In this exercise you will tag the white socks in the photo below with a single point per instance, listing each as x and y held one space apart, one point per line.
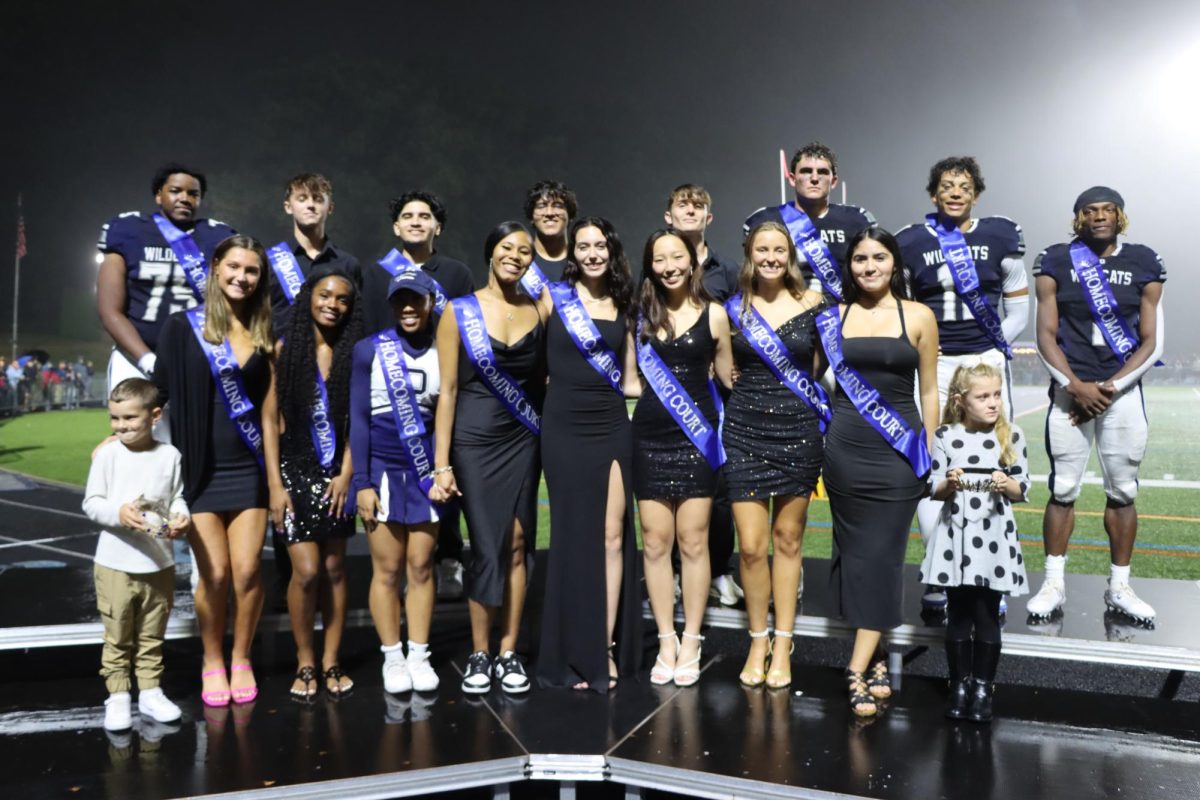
392 653
1118 576
1055 566
415 647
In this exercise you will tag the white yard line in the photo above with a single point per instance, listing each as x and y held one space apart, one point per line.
76 514
1155 483
13 542
48 548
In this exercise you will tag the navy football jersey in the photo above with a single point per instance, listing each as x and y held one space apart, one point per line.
992 240
155 286
838 225
1128 269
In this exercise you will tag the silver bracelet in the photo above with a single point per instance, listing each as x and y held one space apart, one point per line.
440 470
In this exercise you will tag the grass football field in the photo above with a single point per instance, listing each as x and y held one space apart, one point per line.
56 445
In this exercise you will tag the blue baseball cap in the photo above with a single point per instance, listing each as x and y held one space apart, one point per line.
414 280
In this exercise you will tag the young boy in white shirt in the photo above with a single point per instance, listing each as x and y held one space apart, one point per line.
135 490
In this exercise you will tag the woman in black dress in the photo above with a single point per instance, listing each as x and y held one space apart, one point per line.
587 456
673 481
773 442
223 477
310 478
487 448
873 489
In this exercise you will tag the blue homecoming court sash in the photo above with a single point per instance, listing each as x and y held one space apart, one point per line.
474 335
283 262
534 280
870 405
396 263
1102 302
227 376
809 242
405 410
679 404
966 281
583 332
187 253
323 438
770 348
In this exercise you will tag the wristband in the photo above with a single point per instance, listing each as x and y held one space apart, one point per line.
440 470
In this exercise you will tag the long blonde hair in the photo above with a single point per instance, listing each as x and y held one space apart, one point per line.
955 413
217 310
793 280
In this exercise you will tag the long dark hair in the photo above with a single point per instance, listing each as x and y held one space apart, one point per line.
897 285
620 279
652 304
297 365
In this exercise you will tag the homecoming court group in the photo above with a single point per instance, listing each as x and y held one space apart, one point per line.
310 415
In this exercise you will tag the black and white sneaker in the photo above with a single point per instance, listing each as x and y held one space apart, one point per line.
478 678
509 670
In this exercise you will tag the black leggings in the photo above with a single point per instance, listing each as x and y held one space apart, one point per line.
973 608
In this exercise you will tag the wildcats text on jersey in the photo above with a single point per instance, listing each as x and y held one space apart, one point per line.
979 252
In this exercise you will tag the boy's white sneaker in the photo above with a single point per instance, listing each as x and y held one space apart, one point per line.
117 714
396 679
154 704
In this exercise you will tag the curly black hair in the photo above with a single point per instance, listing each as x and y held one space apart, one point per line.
297 365
967 165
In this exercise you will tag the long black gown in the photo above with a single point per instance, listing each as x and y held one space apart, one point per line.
585 428
496 463
873 491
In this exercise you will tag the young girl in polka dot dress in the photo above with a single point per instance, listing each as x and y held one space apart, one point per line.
979 469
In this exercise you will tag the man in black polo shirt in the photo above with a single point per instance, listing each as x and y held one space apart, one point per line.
418 218
550 206
308 200
689 211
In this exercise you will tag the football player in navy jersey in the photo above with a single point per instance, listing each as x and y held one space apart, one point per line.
550 206
1096 394
997 250
814 175
140 282
689 211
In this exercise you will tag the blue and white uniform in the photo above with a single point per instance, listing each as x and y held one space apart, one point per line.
379 456
1119 433
997 249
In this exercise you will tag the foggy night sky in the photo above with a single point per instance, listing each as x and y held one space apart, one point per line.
621 100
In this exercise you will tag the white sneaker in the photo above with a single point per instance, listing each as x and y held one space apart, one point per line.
117 716
449 579
396 678
726 591
1123 600
424 679
1050 598
154 704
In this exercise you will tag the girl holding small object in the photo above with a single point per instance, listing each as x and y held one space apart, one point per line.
979 469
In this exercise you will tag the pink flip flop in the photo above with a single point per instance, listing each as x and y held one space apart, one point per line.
246 695
214 699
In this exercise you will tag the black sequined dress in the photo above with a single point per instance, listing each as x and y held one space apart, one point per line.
665 462
772 438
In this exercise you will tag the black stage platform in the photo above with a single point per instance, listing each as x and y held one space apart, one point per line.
713 740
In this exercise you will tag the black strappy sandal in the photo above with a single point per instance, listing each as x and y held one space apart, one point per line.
859 698
335 673
308 674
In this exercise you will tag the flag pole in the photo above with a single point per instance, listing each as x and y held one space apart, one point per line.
20 251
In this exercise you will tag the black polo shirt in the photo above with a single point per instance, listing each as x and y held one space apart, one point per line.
719 276
452 275
331 259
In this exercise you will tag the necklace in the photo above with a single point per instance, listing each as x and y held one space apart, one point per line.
510 316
